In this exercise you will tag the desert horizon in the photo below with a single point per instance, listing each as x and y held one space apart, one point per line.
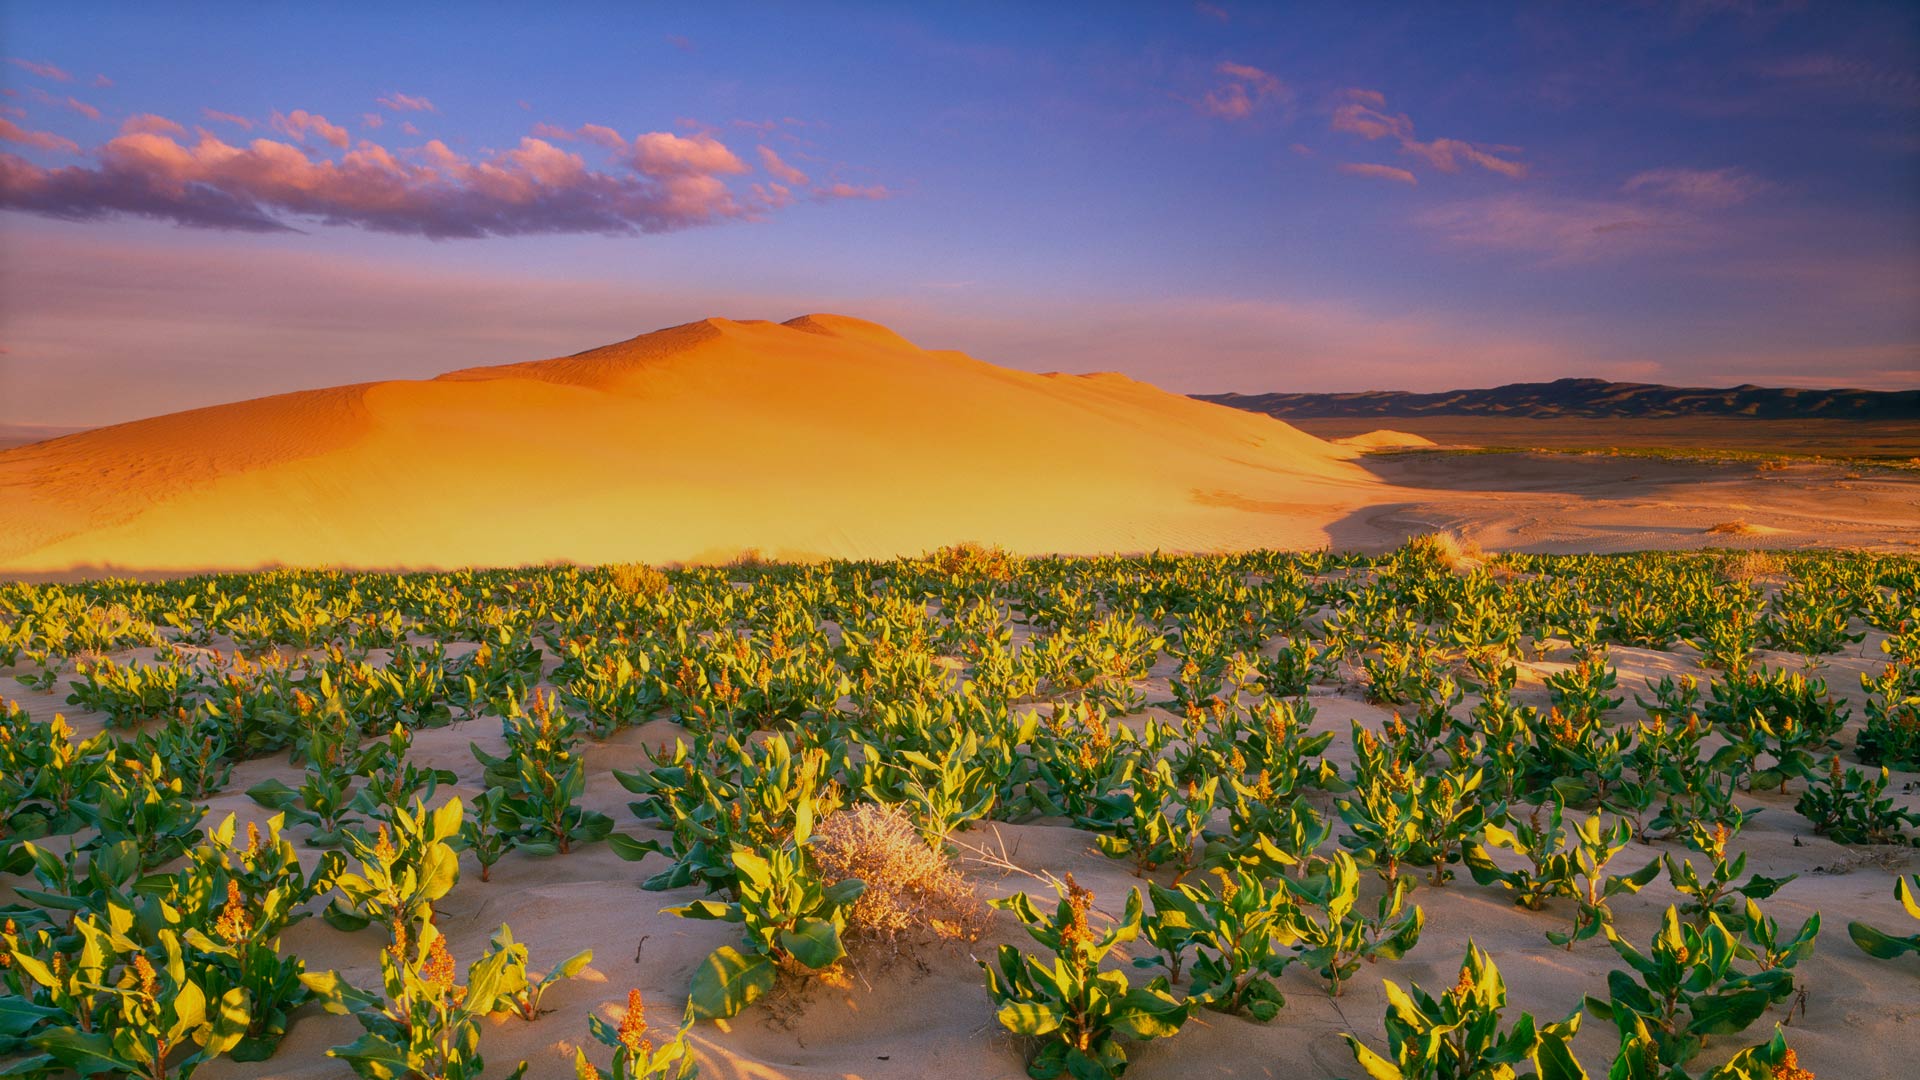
1121 542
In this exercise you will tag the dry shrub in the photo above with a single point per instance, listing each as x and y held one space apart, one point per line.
1448 549
638 579
1736 527
1749 566
913 892
975 560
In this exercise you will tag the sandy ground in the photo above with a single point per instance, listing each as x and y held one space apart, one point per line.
932 1016
1894 439
1558 503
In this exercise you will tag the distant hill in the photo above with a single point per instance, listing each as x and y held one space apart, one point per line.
1592 399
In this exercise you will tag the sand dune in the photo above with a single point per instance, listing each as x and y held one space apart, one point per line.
821 436
1384 439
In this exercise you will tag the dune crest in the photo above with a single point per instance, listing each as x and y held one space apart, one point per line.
825 435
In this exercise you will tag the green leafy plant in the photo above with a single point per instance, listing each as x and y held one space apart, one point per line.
1684 988
1713 893
1879 943
635 1057
1852 807
1459 1034
1078 1015
409 865
421 1023
1333 940
541 780
791 921
520 990
149 1021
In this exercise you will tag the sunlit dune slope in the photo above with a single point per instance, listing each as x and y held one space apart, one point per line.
822 436
1384 439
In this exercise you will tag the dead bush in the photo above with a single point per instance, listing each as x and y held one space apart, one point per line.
638 579
1748 566
913 892
1448 549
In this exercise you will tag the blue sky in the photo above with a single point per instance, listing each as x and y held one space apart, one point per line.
200 203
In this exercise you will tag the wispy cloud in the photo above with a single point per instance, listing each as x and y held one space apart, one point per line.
1245 90
81 107
1560 229
399 102
39 140
1378 172
1852 77
1364 113
778 169
216 115
300 123
1700 187
149 124
40 68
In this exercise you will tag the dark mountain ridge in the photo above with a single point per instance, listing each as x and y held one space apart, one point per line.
1593 399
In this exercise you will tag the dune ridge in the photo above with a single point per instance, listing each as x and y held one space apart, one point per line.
822 436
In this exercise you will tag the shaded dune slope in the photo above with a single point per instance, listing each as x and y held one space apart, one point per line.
822 436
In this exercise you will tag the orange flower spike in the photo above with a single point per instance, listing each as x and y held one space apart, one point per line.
235 921
145 977
437 972
633 1026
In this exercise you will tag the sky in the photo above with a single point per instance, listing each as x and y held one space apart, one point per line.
208 202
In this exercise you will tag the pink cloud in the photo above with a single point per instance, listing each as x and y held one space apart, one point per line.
779 169
1378 172
1363 113
662 153
603 135
659 182
82 108
39 140
399 102
852 191
544 130
1702 187
1447 154
372 120
102 82
1244 91
299 122
406 127
240 122
1212 11
149 124
1363 118
680 42
40 68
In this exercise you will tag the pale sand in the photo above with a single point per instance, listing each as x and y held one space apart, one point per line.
1384 439
936 1019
